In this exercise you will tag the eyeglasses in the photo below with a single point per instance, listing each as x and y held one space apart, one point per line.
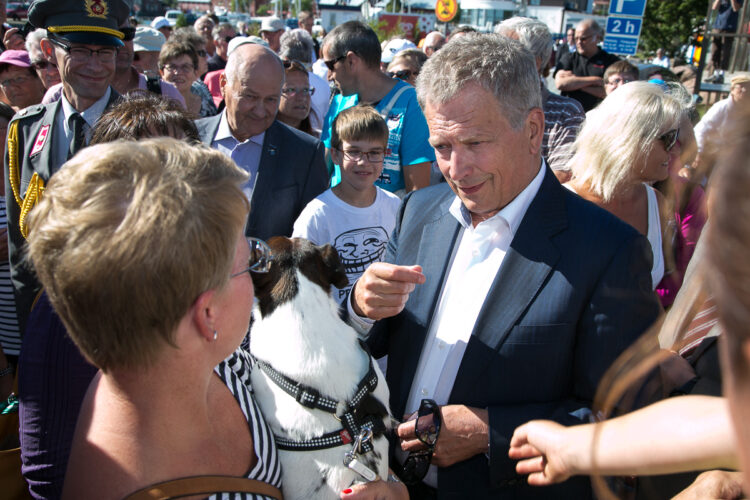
583 39
619 81
291 63
427 429
330 64
372 156
201 53
128 33
182 68
229 38
260 259
83 54
404 74
291 91
17 81
42 65
669 139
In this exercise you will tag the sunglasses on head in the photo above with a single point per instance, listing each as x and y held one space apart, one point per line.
128 33
292 63
404 74
427 429
669 139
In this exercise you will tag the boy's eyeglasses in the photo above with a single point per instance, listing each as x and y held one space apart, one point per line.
669 139
372 156
427 429
260 259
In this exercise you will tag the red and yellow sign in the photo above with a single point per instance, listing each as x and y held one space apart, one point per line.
446 10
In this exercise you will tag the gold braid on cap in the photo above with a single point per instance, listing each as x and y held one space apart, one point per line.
34 191
86 29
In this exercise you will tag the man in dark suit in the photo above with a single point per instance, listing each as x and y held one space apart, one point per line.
505 296
286 166
83 43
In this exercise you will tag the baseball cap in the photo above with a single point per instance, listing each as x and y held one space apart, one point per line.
94 22
19 58
148 39
160 22
394 47
272 24
242 40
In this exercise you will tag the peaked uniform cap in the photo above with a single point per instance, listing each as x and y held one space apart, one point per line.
94 22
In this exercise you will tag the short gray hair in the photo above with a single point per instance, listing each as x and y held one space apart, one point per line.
497 64
297 45
216 32
532 33
33 39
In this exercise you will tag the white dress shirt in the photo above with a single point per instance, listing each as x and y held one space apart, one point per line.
90 115
245 154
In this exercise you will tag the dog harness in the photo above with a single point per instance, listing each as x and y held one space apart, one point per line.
353 424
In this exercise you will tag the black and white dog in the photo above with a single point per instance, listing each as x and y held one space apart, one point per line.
318 389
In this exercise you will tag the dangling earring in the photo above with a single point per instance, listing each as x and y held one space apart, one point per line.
216 335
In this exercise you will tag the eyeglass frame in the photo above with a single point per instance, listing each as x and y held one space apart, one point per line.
410 473
42 65
263 263
292 91
402 74
17 81
67 48
360 154
293 63
180 69
332 63
669 139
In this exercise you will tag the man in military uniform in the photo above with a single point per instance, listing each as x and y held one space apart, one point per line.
83 40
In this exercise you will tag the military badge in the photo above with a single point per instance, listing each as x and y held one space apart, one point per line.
41 140
96 8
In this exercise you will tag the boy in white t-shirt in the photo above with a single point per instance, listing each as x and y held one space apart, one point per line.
355 216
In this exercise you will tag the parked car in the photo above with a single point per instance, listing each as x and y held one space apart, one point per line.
172 16
17 11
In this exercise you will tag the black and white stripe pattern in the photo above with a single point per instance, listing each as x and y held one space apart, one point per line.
10 338
235 373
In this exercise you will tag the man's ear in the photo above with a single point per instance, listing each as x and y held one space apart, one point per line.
48 50
535 129
204 315
222 85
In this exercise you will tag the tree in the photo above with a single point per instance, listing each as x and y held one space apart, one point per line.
669 23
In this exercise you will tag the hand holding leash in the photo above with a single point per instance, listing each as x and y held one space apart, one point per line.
383 289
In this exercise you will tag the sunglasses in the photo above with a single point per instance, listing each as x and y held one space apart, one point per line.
260 259
292 63
330 64
404 74
427 429
669 139
128 33
42 65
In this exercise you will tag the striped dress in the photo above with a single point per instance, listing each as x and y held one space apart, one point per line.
235 373
10 337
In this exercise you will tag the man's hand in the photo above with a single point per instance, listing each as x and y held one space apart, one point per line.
714 484
13 40
383 289
541 443
463 434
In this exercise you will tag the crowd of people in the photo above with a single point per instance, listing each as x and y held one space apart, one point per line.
510 251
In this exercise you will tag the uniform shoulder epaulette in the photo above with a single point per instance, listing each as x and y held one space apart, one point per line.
29 111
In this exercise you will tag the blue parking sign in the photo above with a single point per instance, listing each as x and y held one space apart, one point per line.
627 7
623 26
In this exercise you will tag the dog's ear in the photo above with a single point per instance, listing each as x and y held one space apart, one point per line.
336 273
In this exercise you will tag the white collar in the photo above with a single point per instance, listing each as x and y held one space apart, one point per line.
90 114
512 213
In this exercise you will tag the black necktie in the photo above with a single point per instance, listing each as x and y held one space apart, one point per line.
76 123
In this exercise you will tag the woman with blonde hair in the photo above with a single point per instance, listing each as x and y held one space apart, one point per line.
140 247
624 147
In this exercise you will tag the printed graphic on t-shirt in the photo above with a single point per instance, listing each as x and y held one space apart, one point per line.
358 249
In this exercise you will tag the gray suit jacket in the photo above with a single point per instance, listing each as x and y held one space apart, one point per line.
291 173
36 153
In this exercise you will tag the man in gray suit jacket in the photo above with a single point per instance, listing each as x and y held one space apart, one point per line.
286 166
505 296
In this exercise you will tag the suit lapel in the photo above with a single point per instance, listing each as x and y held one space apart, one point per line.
525 268
263 189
